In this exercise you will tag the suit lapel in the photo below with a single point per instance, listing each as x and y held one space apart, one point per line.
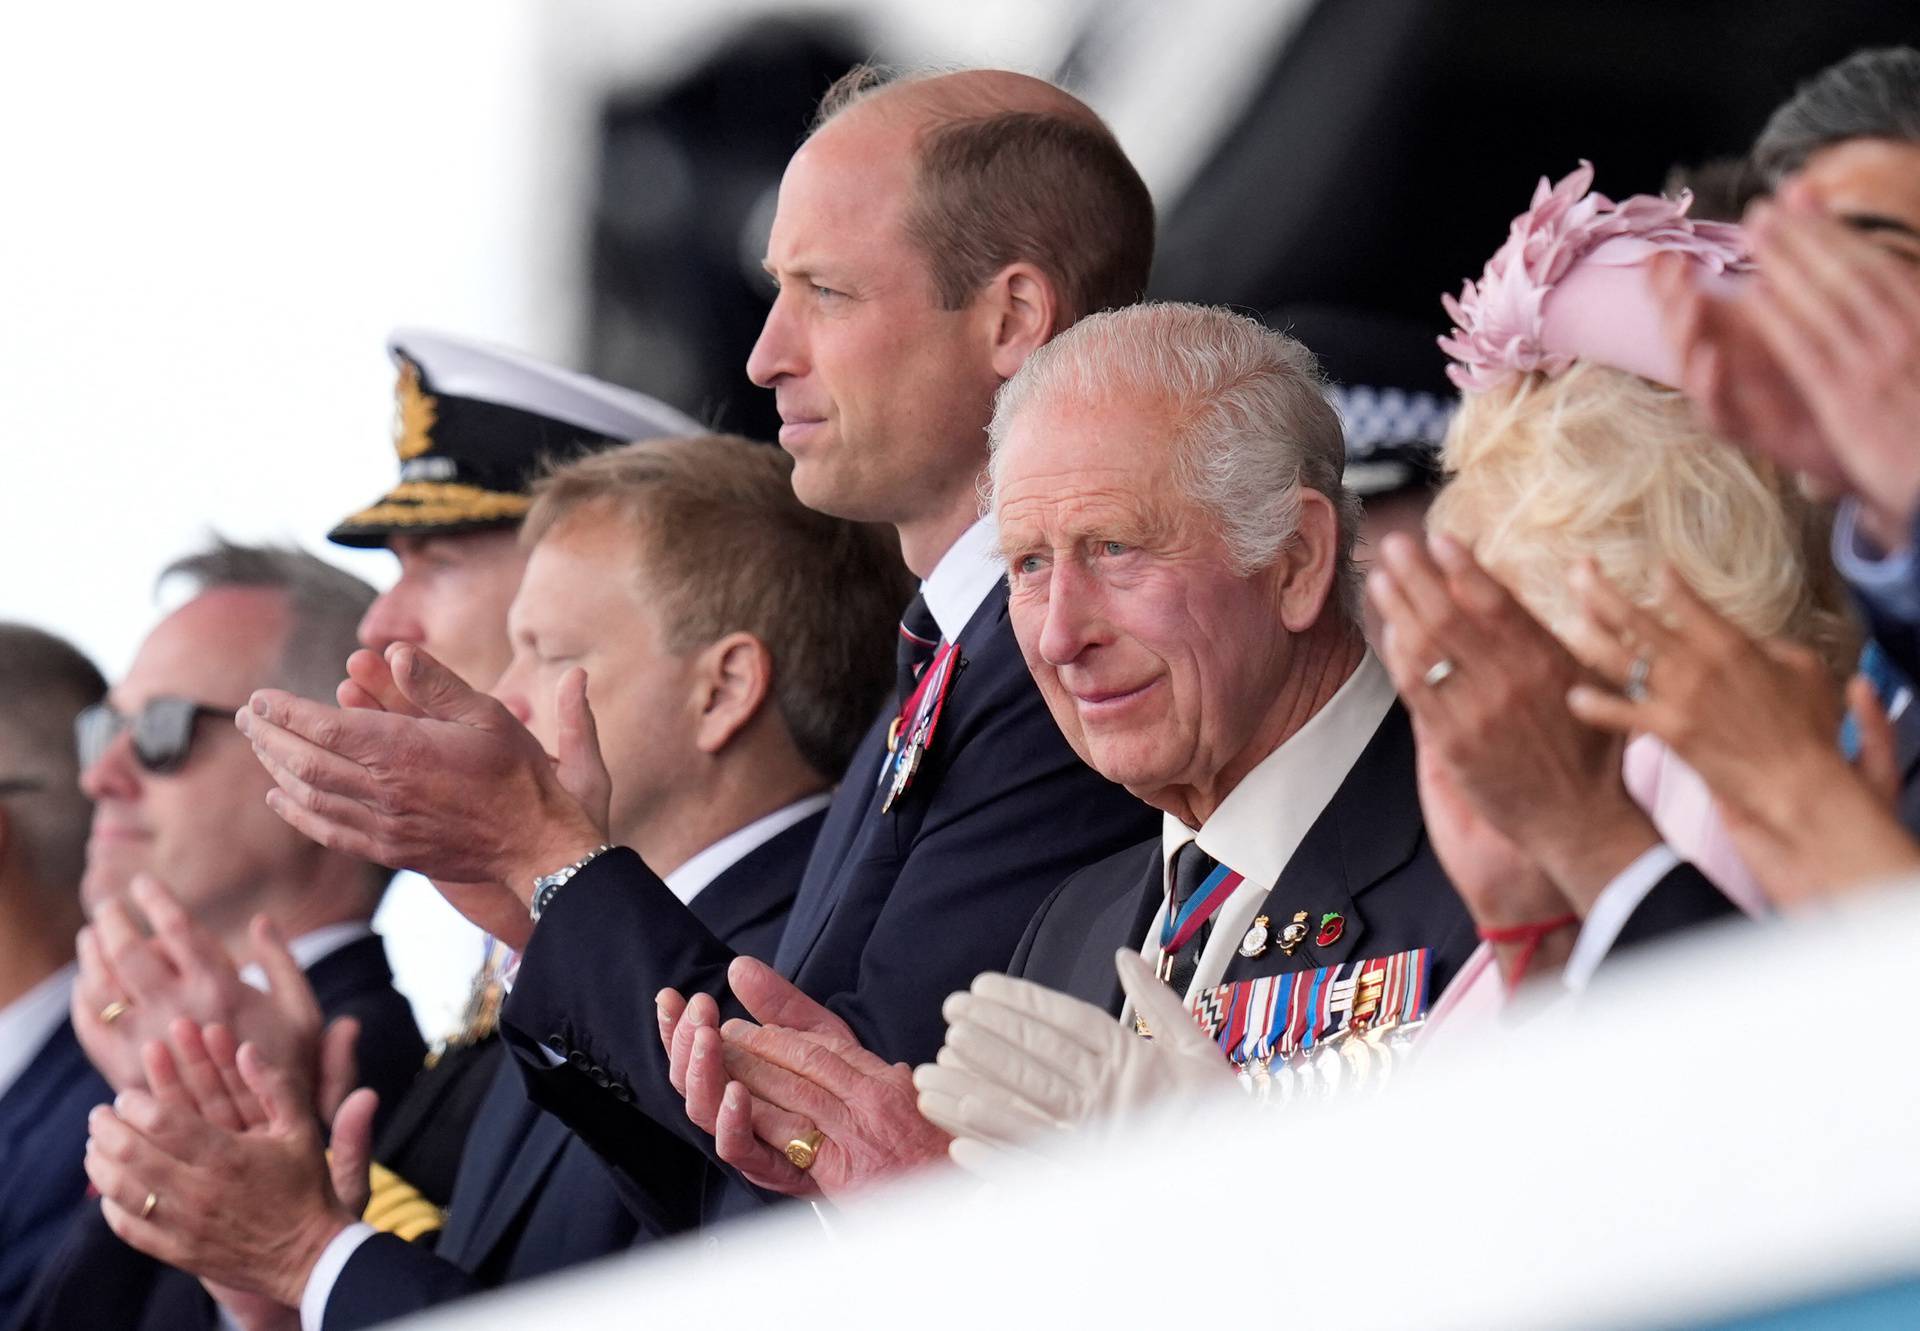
1127 918
845 825
348 972
529 1152
496 1144
759 882
821 891
1371 827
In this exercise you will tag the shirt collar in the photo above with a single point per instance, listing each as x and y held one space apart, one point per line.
29 1021
311 948
1263 820
963 577
692 877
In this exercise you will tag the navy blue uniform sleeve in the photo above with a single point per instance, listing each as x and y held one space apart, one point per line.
388 1278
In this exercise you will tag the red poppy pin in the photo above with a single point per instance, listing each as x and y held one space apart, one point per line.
1332 925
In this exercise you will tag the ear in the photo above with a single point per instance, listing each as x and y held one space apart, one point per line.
1023 311
732 678
1308 566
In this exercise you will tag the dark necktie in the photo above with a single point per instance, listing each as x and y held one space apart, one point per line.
919 639
1191 865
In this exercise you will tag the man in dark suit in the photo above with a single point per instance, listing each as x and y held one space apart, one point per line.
1167 484
475 424
722 745
928 237
179 801
46 1084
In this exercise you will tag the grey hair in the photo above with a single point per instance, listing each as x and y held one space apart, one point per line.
1869 95
45 682
326 605
1252 424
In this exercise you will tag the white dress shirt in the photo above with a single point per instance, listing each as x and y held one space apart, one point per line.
686 883
1263 820
29 1021
961 580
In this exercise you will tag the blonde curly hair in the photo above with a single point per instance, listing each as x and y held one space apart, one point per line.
1599 463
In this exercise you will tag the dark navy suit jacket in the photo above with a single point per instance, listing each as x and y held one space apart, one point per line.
897 910
96 1281
1367 857
1685 898
531 1197
43 1137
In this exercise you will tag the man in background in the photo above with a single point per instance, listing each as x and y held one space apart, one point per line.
46 1084
179 799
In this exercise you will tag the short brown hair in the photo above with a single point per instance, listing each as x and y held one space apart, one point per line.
727 548
1035 185
45 682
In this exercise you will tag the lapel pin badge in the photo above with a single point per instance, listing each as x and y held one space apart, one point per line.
1257 937
1294 934
1332 925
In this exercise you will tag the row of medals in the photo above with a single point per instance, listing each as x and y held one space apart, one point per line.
1360 1056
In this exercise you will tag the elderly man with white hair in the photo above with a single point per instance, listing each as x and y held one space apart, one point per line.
1166 481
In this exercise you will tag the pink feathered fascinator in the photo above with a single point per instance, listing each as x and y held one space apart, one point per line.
1571 283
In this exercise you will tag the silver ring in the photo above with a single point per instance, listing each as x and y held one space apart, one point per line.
1636 685
1438 673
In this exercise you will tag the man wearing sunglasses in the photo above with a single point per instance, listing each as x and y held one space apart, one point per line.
179 798
46 1084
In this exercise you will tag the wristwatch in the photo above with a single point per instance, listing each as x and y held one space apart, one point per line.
548 886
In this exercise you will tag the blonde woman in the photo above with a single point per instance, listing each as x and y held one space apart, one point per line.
1571 446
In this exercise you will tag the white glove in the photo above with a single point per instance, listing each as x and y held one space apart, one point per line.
1023 1065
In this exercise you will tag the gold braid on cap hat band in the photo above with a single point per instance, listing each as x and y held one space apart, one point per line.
433 503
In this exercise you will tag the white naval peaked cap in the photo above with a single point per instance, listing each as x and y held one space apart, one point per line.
475 425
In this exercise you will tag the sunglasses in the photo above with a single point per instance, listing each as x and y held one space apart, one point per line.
162 731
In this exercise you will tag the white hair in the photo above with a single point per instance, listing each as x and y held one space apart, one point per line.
1252 424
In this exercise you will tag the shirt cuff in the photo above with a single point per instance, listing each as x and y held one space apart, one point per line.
1886 581
1612 909
326 1273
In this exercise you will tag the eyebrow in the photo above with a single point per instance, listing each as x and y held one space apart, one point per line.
1872 222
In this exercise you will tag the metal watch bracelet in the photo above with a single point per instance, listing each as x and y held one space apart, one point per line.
548 886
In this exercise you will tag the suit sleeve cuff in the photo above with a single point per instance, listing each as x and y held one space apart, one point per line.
1611 911
326 1273
1884 579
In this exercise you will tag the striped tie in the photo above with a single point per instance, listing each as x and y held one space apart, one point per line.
1191 865
919 639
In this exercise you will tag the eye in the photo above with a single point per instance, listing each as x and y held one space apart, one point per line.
1027 564
825 293
1112 548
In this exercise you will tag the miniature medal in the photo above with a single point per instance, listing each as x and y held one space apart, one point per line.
1257 937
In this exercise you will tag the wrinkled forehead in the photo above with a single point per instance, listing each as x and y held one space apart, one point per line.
216 648
1073 451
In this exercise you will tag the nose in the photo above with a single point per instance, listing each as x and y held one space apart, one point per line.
390 619
1072 614
511 693
114 774
777 352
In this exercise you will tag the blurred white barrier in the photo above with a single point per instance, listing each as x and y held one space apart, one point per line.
1727 1126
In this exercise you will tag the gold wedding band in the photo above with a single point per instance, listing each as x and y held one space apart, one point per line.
113 1011
146 1207
802 1150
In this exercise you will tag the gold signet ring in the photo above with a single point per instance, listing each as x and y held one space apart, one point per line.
146 1207
113 1011
802 1150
